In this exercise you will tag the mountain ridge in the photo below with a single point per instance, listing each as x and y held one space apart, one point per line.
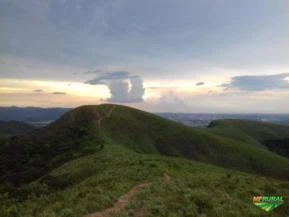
148 133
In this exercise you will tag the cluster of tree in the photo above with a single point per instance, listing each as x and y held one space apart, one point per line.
24 159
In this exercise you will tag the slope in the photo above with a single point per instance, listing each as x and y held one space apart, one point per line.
147 133
263 135
94 183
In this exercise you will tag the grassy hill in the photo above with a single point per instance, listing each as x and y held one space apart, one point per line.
269 136
147 133
81 131
92 155
253 132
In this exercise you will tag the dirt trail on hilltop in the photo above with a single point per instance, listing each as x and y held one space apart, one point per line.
107 115
121 202
110 111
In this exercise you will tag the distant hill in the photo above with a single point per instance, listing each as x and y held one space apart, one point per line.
257 131
203 119
15 128
44 116
264 135
31 114
88 158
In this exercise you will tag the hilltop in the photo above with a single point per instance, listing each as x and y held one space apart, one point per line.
83 162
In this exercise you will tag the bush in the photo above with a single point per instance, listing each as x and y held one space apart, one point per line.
8 206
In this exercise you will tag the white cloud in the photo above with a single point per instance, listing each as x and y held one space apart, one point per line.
124 87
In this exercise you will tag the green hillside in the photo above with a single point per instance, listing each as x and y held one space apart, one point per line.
177 187
147 133
86 160
249 131
263 135
76 133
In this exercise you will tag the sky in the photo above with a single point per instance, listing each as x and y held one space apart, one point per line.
198 56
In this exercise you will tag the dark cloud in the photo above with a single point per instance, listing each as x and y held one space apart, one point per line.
200 83
95 71
124 87
59 93
105 77
258 82
38 90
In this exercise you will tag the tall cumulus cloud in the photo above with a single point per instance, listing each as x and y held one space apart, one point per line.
124 87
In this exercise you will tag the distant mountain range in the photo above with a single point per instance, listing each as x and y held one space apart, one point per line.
43 116
32 115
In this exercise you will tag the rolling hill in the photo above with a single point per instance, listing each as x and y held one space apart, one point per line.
253 132
83 162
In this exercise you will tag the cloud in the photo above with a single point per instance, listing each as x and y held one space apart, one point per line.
38 90
124 87
200 83
163 88
119 91
168 102
59 93
95 71
105 77
258 82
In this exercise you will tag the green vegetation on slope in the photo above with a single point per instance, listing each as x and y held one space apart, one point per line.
263 135
252 132
14 128
95 182
76 133
148 133
23 159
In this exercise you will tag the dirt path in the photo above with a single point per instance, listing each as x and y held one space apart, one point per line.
121 202
167 179
110 111
107 115
126 198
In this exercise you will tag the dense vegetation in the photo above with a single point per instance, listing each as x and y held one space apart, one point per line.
145 132
92 155
23 159
14 128
252 132
96 181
